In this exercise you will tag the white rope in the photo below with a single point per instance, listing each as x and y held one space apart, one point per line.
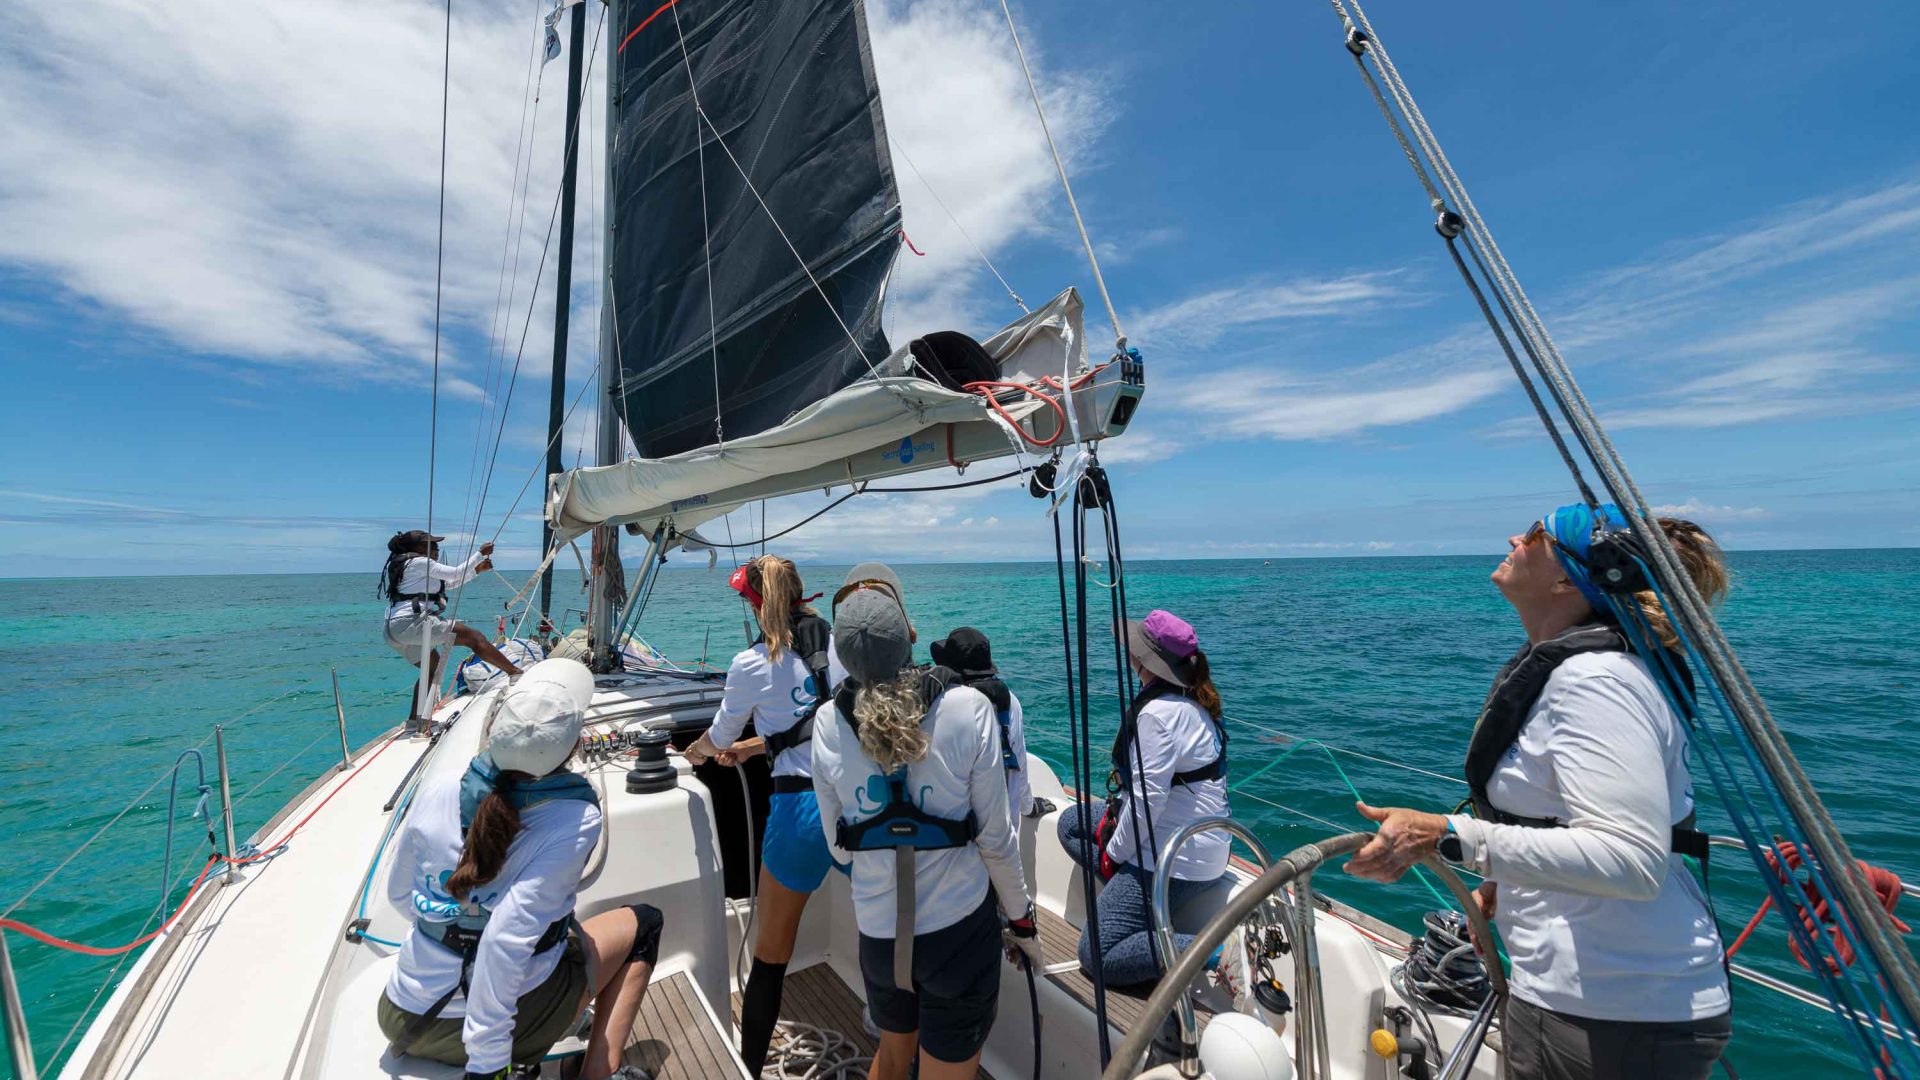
706 232
1093 260
942 203
805 1052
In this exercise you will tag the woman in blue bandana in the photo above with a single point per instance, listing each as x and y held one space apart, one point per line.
1583 809
496 969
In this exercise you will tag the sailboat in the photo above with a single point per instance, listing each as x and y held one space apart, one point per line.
752 222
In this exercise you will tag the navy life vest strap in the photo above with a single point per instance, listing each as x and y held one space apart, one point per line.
1505 713
902 826
1124 738
811 634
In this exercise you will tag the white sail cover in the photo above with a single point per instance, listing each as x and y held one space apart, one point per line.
873 412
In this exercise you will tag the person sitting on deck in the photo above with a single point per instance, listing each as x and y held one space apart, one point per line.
1583 807
1169 761
415 583
778 684
968 654
496 969
907 769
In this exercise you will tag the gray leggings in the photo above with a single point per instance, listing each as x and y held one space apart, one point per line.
1545 1045
1126 932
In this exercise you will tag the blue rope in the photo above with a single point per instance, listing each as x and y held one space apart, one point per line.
1858 1004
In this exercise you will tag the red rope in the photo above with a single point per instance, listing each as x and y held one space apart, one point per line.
657 12
909 242
1816 913
213 860
985 389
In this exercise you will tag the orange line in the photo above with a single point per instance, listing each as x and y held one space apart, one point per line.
657 12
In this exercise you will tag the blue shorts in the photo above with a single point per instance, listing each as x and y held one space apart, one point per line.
795 848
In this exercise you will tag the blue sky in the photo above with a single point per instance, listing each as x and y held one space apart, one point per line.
216 271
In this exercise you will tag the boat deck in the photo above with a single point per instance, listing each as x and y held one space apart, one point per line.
1060 940
817 996
677 1038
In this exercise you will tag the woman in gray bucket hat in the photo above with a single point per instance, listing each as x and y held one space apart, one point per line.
1169 769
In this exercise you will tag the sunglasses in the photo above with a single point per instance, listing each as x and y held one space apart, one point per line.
872 583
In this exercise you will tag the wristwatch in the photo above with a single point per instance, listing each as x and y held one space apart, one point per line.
1449 847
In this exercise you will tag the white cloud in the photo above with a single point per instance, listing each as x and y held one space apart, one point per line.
1253 403
1202 320
970 159
1695 508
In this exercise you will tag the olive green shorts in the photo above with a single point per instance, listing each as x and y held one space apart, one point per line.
542 1016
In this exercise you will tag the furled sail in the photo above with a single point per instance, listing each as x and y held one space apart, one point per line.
790 166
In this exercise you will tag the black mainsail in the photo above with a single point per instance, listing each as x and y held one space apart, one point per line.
793 142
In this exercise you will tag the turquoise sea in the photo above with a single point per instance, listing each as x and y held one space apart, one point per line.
1389 657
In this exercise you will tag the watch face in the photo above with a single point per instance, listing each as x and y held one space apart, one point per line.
1449 848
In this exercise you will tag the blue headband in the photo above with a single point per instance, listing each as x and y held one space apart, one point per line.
1571 528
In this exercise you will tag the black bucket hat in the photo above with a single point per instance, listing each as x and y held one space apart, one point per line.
966 651
409 539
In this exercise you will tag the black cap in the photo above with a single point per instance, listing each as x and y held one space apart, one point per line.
965 651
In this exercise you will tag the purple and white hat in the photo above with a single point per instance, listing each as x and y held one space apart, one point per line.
1164 644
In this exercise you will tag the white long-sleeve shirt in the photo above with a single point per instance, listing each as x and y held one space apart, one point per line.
1601 919
1019 788
961 772
536 886
772 694
425 575
1174 735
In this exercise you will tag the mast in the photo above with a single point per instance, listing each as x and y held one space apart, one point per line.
563 287
606 435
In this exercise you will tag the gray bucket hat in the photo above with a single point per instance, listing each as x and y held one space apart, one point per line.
871 636
870 575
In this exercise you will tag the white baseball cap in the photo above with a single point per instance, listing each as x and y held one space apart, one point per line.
538 724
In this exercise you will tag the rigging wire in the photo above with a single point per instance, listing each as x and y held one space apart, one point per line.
439 261
1093 260
502 305
863 489
706 233
1835 876
1021 304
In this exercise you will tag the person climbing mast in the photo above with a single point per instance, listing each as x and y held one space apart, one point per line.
414 583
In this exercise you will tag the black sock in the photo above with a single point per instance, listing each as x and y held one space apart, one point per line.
759 1011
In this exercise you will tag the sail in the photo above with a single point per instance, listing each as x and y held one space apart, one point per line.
794 144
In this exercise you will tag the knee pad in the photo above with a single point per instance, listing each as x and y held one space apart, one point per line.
646 935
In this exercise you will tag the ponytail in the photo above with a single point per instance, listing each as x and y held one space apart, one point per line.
495 824
1701 558
778 583
1200 684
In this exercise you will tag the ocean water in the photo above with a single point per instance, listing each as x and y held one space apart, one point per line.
112 679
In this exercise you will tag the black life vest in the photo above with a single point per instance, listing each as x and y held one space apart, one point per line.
1123 740
397 568
1505 712
811 635
901 824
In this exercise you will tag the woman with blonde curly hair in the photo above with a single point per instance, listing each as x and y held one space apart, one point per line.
1583 807
907 767
778 684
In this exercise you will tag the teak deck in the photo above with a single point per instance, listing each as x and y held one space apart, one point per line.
676 1039
1060 940
817 996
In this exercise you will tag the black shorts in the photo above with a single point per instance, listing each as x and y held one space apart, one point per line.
956 985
